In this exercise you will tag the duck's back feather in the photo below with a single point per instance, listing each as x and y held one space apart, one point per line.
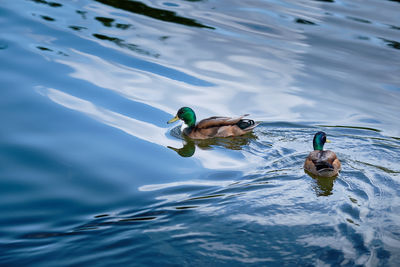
221 127
322 163
218 121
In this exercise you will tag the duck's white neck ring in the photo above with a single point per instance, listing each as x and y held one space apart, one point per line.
183 127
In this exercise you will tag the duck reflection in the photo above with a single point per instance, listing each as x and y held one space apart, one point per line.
233 143
322 186
187 150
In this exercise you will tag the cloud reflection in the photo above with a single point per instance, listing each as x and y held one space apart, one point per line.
143 130
140 129
206 183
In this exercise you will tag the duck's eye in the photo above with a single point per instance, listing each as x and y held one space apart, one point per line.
324 139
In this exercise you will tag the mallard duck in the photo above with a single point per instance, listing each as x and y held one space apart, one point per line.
319 162
213 126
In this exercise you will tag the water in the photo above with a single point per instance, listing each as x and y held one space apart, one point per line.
92 174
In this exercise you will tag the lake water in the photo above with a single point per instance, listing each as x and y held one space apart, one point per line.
91 174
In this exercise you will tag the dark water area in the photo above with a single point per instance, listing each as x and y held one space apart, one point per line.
91 174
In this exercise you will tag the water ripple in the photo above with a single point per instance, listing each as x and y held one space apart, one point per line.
90 168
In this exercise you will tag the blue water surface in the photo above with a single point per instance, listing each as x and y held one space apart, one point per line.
91 174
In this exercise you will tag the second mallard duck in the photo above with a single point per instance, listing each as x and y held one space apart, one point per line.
323 163
213 126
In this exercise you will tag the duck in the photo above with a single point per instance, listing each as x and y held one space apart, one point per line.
213 126
322 163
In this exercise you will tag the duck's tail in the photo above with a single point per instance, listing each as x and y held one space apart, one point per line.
247 124
325 169
323 165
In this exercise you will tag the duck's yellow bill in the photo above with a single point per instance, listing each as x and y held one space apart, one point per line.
328 141
174 119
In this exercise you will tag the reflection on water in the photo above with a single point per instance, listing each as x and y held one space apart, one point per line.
189 145
90 169
187 150
323 185
51 4
121 43
139 129
155 13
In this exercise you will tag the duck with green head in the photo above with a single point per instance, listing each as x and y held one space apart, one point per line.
323 163
213 126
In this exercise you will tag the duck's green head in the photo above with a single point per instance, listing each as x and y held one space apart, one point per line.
187 115
319 140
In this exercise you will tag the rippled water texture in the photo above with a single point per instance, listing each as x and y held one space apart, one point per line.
90 173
